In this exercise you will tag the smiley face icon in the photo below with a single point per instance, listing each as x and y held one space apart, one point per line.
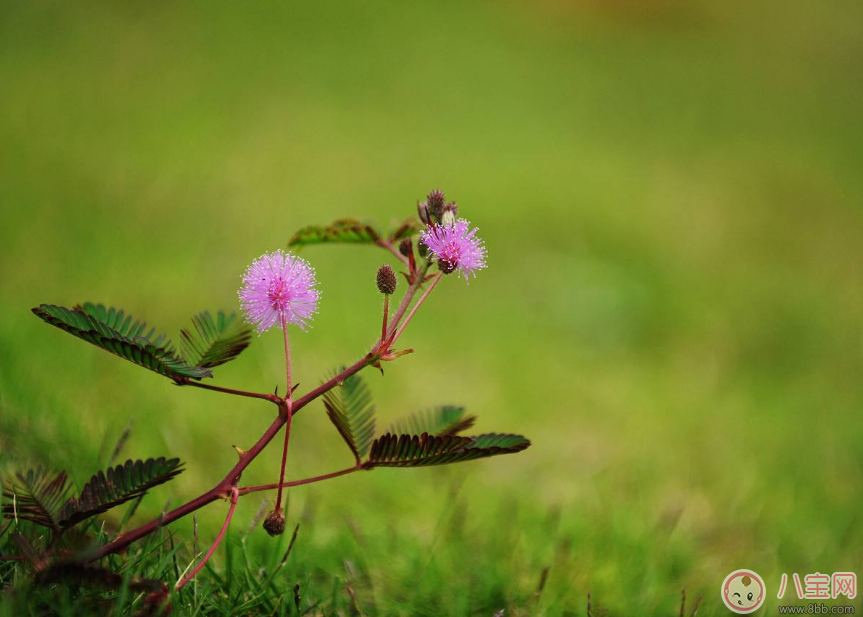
743 591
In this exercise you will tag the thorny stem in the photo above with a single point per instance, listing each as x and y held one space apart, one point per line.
419 302
235 494
268 487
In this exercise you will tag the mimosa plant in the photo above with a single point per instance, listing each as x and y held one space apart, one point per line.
279 291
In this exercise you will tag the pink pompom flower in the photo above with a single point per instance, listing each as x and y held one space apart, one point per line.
279 287
456 247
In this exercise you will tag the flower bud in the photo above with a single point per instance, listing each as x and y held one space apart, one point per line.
446 266
406 247
449 215
274 524
423 211
435 201
386 280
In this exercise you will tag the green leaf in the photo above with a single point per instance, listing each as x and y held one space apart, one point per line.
408 227
38 497
350 409
214 341
120 334
120 484
422 450
345 231
442 420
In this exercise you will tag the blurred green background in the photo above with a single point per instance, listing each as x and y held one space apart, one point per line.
670 192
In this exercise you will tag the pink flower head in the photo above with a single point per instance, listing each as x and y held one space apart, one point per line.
455 247
279 287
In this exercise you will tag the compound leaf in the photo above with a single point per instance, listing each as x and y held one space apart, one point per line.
118 485
423 450
345 231
349 407
36 496
214 341
120 334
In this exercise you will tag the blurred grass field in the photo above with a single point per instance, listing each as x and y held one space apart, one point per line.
670 193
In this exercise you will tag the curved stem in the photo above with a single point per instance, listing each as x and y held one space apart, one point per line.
388 246
235 494
268 487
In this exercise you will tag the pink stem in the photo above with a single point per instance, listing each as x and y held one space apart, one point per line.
235 494
388 246
409 295
287 359
386 314
268 487
415 307
290 414
284 460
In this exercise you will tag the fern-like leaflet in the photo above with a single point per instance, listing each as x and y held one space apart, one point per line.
350 409
422 450
115 331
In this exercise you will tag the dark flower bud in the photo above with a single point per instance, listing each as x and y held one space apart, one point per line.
451 207
274 524
436 201
423 211
446 266
386 280
406 247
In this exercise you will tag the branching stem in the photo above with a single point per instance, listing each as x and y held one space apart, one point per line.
388 246
409 294
416 306
268 487
227 487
